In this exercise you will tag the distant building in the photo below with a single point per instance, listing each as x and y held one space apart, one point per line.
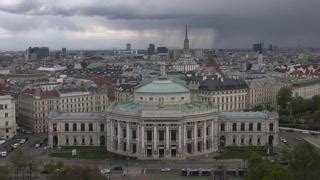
263 91
128 47
7 117
64 51
36 103
36 53
161 50
306 88
151 49
185 62
258 47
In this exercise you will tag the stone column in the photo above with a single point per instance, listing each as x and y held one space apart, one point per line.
204 129
119 135
111 136
128 137
167 137
184 138
180 139
142 141
155 140
212 136
195 149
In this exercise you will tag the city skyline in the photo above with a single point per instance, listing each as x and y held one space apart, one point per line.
105 25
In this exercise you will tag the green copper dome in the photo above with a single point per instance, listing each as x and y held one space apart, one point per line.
161 85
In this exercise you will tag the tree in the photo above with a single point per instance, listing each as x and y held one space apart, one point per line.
284 98
4 173
78 173
54 166
260 169
304 162
21 164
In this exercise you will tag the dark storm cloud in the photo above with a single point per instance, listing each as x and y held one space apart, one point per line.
236 23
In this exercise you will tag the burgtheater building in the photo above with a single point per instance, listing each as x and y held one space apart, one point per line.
163 120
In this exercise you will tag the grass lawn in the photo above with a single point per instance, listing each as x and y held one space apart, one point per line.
242 152
83 152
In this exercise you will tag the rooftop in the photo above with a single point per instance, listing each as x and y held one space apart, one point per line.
162 85
245 114
78 116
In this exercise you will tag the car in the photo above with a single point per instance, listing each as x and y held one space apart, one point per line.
22 141
299 139
117 168
15 145
165 169
2 141
3 153
105 171
305 132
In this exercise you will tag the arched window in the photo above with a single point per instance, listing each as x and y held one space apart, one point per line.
234 140
250 140
242 140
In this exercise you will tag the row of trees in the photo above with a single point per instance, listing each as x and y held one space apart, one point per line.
303 163
297 111
22 166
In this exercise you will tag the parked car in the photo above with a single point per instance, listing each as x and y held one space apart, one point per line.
15 145
165 169
105 171
3 153
2 141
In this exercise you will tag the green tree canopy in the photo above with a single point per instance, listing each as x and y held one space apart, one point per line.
260 169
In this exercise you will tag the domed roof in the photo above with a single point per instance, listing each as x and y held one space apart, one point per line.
162 85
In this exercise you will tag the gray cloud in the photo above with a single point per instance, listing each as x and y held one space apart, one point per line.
233 23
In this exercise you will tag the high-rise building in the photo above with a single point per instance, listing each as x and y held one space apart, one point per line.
128 47
64 51
258 47
151 49
36 53
186 41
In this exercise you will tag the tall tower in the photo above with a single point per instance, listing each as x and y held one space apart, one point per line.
186 41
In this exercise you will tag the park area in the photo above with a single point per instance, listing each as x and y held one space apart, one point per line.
243 152
84 152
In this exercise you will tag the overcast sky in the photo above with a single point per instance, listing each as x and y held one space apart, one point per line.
105 24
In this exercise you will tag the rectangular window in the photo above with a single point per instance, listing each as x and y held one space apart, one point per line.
90 127
149 135
199 132
54 127
82 127
161 135
173 135
242 126
124 133
189 134
234 127
66 127
6 114
259 126
134 134
74 127
222 127
251 127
